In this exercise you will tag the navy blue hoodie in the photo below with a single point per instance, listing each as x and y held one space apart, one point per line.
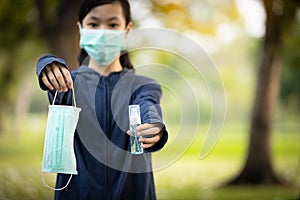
106 168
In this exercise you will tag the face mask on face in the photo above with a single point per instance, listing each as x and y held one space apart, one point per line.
101 44
59 154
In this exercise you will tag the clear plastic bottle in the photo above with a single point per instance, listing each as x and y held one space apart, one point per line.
135 121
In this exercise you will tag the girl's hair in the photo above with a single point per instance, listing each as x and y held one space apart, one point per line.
86 6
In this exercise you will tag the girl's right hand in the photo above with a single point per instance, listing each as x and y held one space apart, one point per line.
56 76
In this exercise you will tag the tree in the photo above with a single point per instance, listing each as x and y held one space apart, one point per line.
58 26
258 167
16 30
52 21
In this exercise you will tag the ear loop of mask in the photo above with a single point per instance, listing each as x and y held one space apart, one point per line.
74 99
56 189
43 174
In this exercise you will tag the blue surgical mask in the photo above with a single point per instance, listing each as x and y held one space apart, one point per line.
102 45
59 156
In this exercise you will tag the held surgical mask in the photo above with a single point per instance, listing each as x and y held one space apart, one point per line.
101 44
59 156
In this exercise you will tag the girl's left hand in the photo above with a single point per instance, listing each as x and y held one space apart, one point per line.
150 134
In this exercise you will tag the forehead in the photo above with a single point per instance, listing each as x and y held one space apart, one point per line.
106 11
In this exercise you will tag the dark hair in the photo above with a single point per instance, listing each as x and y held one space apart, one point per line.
86 6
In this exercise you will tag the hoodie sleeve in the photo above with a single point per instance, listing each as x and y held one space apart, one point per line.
43 62
148 97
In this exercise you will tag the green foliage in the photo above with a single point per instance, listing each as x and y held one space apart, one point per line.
17 23
290 81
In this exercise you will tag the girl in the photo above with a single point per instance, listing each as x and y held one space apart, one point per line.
104 88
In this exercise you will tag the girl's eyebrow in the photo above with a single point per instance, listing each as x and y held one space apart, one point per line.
108 20
113 18
93 18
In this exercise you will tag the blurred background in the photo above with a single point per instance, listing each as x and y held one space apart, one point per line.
254 46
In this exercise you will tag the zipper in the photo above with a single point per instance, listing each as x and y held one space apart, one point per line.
107 130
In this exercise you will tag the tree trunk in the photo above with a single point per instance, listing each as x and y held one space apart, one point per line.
258 167
61 31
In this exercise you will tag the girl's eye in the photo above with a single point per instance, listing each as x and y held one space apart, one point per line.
93 25
114 25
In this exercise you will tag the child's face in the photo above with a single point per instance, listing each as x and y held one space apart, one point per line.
107 16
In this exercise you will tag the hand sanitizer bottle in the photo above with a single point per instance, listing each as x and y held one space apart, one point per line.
135 121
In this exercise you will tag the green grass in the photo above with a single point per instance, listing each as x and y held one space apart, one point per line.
184 177
22 182
192 178
20 168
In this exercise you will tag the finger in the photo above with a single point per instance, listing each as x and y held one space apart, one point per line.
148 126
67 76
145 146
52 79
60 78
151 140
150 131
46 81
148 142
144 126
129 133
